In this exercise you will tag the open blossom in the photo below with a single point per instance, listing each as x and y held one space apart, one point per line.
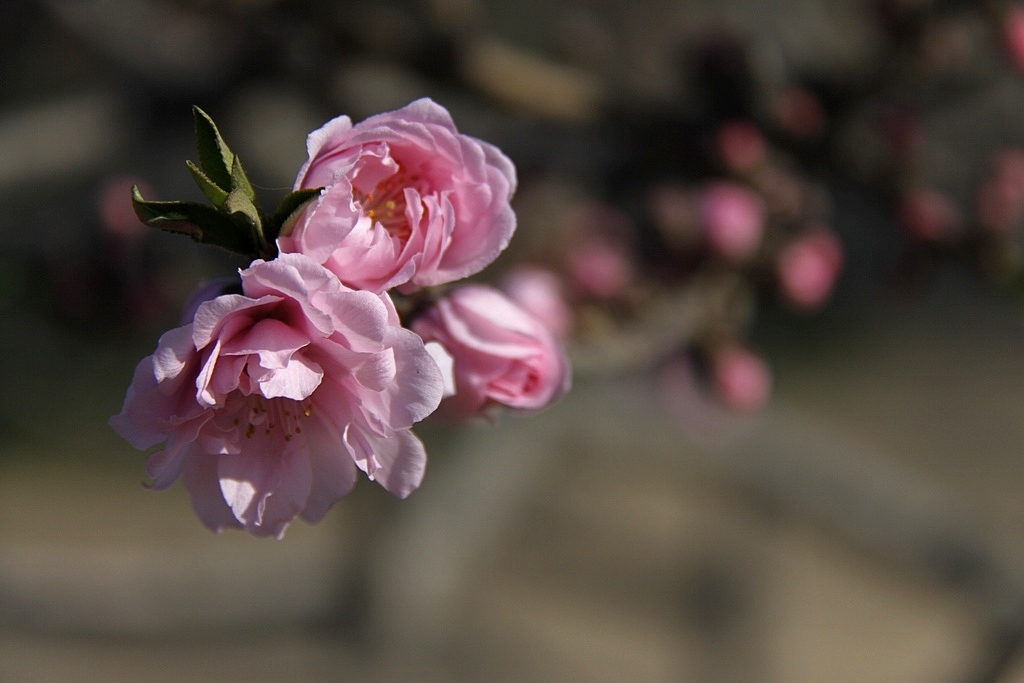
502 355
408 200
269 402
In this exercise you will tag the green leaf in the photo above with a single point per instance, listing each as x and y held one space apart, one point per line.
202 223
289 210
212 191
246 215
240 181
215 157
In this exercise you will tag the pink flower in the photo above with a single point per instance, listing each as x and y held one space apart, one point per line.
1013 36
539 291
600 268
927 215
807 268
740 146
408 200
799 112
741 379
732 218
502 354
270 400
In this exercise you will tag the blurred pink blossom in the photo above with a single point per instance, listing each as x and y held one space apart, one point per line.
503 356
740 146
741 378
269 402
807 268
599 268
799 112
408 200
927 215
540 292
732 219
1000 199
1013 35
114 204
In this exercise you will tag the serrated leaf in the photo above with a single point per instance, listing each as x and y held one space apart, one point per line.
240 181
202 223
247 216
289 210
215 157
238 203
212 191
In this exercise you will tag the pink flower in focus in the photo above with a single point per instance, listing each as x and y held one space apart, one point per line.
808 267
741 379
270 400
502 354
408 200
539 291
732 218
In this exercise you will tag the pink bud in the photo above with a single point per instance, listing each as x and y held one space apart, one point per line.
799 113
539 292
808 267
599 268
927 215
732 218
1013 36
114 203
741 378
740 146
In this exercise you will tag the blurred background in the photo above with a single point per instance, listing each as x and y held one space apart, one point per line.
785 242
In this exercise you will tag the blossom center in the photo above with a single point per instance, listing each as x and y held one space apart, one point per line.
277 418
387 206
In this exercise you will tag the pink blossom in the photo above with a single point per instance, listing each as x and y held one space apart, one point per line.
807 268
539 292
1013 36
740 146
408 200
799 112
741 379
599 268
927 215
502 354
270 400
1000 199
732 218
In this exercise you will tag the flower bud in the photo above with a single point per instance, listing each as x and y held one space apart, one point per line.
808 267
741 379
732 219
740 146
539 291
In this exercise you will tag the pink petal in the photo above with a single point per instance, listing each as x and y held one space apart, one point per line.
333 471
200 479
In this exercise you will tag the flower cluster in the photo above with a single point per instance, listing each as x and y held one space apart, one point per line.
342 332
